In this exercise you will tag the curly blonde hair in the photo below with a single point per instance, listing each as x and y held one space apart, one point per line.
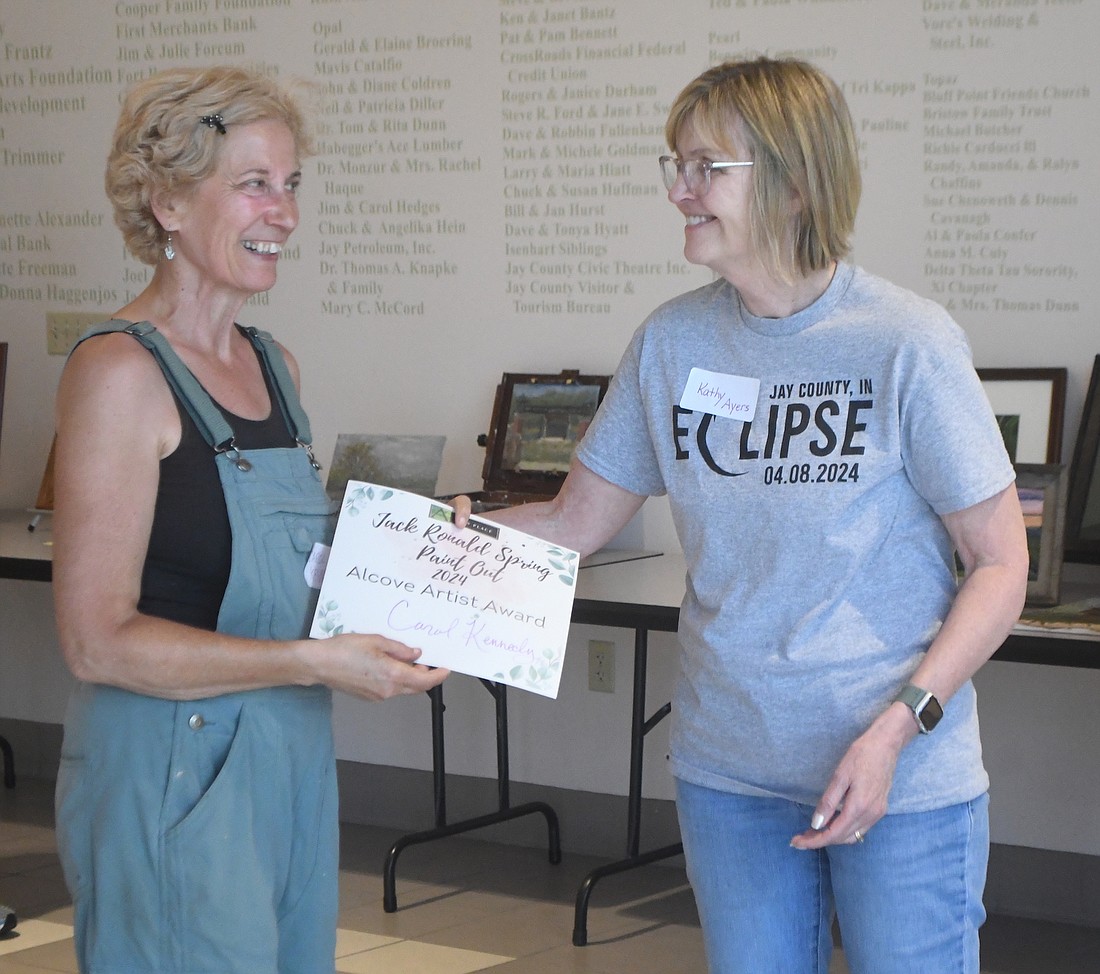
795 123
162 146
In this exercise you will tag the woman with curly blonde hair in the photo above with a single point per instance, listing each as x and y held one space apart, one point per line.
197 793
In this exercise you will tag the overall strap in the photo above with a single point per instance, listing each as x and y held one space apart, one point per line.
296 420
200 407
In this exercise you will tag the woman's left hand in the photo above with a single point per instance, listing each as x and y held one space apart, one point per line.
857 795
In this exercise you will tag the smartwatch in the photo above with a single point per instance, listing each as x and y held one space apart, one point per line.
926 708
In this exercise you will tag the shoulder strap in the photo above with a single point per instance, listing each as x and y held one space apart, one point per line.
291 406
208 418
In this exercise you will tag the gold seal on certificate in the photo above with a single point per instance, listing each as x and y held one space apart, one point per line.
487 600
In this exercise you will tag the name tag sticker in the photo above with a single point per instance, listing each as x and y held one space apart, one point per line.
732 396
316 565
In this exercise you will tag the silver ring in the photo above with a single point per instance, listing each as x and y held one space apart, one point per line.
859 837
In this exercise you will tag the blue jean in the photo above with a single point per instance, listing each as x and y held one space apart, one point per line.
908 900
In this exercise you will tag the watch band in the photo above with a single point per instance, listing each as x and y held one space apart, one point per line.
926 708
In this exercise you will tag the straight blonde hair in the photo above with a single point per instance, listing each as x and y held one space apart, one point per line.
794 122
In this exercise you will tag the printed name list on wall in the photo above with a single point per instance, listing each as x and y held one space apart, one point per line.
394 155
1003 163
499 156
580 91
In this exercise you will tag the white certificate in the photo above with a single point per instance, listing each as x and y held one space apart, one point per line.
487 600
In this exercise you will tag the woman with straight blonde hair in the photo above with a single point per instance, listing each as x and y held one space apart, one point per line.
826 449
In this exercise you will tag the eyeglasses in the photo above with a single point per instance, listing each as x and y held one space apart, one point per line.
696 172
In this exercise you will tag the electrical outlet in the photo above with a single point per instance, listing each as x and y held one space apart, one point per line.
601 666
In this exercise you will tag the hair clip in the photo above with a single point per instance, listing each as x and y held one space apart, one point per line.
215 122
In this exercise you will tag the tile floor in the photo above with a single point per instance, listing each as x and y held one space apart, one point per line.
466 905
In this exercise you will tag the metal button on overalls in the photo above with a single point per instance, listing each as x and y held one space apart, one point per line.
196 722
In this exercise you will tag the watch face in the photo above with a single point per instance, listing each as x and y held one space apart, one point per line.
930 714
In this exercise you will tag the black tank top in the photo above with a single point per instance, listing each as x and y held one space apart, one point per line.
190 546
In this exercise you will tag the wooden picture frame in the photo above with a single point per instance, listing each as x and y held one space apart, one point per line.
537 421
1030 406
1042 489
1083 506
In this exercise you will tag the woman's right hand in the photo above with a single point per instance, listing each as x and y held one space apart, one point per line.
370 667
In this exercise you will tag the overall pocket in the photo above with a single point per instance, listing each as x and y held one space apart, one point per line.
275 520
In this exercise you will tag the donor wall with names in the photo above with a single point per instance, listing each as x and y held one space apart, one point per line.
486 177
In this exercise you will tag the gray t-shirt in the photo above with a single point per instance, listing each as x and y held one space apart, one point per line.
818 567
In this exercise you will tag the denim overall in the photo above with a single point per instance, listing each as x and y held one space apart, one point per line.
200 836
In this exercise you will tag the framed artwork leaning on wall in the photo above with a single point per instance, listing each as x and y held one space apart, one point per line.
1042 491
1083 503
1030 406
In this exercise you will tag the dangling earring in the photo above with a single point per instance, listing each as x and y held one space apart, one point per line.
169 250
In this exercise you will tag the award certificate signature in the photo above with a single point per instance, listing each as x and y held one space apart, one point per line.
487 600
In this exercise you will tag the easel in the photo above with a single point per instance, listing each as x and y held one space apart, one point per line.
43 504
5 747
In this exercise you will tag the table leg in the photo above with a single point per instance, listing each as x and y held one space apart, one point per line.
505 812
640 726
